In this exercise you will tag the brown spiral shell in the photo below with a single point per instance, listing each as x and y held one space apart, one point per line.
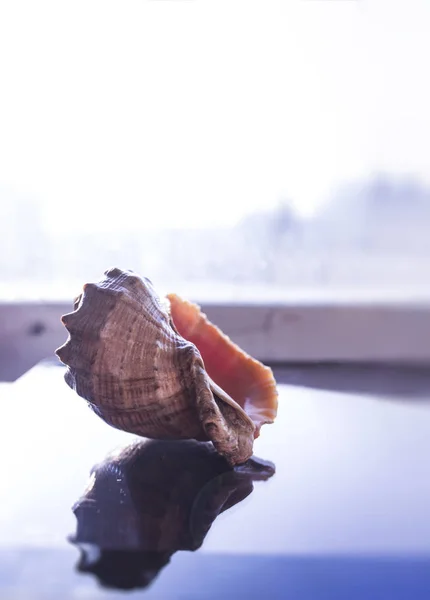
137 362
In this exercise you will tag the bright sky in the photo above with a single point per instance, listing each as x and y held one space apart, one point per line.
194 112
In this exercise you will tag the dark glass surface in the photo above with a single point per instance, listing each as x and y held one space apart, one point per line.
336 506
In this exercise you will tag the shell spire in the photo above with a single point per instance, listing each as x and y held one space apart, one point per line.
161 371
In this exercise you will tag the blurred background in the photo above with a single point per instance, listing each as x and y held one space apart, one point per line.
225 149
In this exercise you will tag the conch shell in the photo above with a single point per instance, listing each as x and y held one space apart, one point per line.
161 370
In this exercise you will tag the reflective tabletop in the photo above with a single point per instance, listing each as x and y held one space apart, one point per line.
335 502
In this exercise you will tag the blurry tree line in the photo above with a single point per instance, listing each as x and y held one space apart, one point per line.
369 234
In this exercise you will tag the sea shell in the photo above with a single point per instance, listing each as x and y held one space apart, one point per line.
150 499
137 361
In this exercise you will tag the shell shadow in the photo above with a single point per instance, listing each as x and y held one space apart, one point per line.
151 499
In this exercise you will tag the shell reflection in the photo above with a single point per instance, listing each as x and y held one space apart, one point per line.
152 499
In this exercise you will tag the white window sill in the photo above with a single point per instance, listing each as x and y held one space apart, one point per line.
391 330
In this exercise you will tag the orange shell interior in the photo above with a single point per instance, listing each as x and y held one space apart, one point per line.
246 380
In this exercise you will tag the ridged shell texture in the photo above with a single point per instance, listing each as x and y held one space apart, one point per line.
159 369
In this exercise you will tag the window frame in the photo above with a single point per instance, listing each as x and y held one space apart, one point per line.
345 331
